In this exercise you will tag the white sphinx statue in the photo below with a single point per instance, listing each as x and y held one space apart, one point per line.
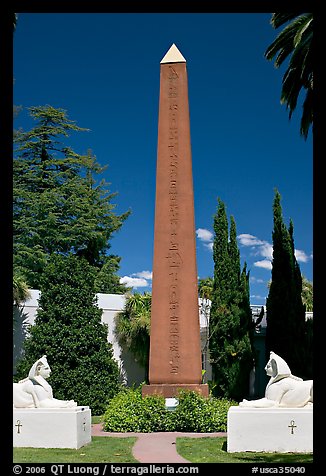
283 388
35 392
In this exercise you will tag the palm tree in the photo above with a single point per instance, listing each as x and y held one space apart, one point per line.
205 288
205 291
133 327
295 42
20 293
307 294
20 290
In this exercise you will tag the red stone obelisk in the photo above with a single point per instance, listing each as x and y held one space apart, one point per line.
175 350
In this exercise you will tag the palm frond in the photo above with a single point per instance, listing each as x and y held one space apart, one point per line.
295 43
306 27
307 114
298 75
133 326
291 89
285 42
21 291
278 19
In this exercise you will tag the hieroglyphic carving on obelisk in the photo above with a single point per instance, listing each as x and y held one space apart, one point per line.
175 349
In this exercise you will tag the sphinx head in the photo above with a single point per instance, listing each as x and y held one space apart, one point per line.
277 367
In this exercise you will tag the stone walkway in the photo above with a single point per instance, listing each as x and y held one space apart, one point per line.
157 447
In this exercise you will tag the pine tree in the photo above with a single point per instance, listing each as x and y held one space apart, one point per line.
59 205
230 323
286 327
68 329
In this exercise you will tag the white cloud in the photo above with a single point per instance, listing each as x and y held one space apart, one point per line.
249 240
252 279
209 246
144 274
134 282
266 250
261 247
257 296
258 247
264 263
204 235
301 256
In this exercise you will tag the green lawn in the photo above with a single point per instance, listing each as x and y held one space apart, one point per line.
104 449
213 450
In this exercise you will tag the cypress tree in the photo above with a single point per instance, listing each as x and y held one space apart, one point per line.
230 316
285 332
68 329
234 262
221 254
218 312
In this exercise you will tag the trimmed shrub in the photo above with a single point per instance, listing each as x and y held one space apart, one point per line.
196 413
129 411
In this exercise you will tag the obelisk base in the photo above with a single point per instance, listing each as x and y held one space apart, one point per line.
169 390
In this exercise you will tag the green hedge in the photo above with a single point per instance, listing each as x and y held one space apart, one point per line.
129 411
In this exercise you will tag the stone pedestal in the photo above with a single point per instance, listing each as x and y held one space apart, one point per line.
279 430
52 427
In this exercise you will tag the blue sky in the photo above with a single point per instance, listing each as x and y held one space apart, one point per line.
104 68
